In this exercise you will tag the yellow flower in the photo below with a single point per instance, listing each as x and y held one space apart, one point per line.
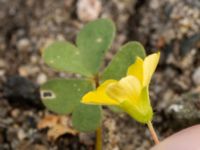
131 92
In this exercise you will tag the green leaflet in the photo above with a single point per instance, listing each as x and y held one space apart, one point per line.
118 66
93 41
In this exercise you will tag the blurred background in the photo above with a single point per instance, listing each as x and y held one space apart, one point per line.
27 26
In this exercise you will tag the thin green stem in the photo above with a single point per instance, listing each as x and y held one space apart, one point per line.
153 132
99 139
98 143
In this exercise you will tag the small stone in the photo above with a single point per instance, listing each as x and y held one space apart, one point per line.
155 4
2 73
86 138
196 76
88 10
184 29
2 63
21 134
42 78
27 70
40 147
34 59
23 71
23 44
169 35
185 22
175 107
15 113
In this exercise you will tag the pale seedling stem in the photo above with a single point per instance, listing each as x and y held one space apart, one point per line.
153 132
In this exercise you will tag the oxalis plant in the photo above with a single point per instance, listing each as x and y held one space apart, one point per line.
124 83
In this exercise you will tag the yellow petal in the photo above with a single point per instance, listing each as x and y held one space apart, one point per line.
136 69
127 88
99 97
150 64
142 111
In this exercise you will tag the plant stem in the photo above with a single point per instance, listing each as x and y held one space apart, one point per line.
96 80
98 145
153 132
99 139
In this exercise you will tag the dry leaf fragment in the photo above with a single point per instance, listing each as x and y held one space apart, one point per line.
59 130
48 121
58 125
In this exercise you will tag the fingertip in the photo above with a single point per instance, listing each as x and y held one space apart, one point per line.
187 139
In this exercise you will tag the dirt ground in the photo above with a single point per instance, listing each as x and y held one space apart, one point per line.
172 26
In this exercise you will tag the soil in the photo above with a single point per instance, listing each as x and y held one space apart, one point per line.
26 26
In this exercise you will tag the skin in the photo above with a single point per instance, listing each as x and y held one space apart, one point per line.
187 139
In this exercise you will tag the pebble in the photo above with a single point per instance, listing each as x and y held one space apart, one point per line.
45 25
40 147
2 73
41 78
196 76
27 70
23 44
21 134
15 113
86 138
168 35
88 10
175 107
185 22
2 63
181 21
34 59
154 4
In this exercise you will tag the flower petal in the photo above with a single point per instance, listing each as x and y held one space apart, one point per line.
99 97
136 69
127 88
150 64
142 111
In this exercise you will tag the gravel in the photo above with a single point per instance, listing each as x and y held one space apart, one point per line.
26 27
